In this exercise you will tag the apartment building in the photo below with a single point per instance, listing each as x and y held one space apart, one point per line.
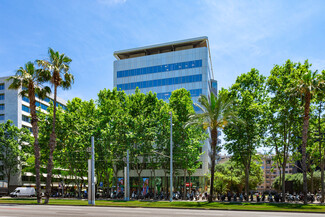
16 108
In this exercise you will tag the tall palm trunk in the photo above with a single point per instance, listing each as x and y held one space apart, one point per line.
304 143
320 153
34 121
214 139
52 148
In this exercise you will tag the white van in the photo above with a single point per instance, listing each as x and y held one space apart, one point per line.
23 192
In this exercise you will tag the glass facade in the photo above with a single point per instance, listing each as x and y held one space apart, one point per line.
160 82
166 95
2 106
2 86
160 68
2 96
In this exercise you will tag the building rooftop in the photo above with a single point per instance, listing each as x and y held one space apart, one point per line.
162 48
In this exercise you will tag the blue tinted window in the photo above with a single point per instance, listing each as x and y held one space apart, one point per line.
37 104
160 82
160 68
2 106
47 99
2 117
166 95
2 86
25 108
2 96
44 106
25 99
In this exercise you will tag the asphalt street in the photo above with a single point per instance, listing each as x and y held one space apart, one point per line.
55 211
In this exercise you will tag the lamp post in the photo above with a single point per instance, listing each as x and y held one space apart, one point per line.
91 175
171 157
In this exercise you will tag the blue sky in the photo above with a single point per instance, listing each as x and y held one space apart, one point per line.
242 34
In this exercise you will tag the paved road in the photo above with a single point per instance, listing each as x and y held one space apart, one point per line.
55 211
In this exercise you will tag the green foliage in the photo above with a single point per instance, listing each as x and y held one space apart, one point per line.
14 148
230 176
247 133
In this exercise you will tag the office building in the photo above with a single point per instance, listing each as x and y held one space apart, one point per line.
166 67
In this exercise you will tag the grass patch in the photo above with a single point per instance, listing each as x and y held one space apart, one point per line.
287 207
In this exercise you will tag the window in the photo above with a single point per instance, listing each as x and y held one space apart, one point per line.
25 108
160 68
2 106
161 82
166 95
2 86
47 99
26 99
2 96
25 118
2 117
43 106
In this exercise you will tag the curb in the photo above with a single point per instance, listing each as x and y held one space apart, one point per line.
184 208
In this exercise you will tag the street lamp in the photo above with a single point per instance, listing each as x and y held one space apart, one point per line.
171 157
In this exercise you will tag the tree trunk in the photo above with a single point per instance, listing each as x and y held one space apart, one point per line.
320 137
184 192
190 187
214 140
247 182
154 184
8 177
107 177
283 178
116 180
139 185
312 182
304 143
322 181
52 148
34 120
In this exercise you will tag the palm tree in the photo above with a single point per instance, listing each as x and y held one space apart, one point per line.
57 69
30 80
306 84
216 114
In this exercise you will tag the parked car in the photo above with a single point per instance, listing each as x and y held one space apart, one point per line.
23 192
